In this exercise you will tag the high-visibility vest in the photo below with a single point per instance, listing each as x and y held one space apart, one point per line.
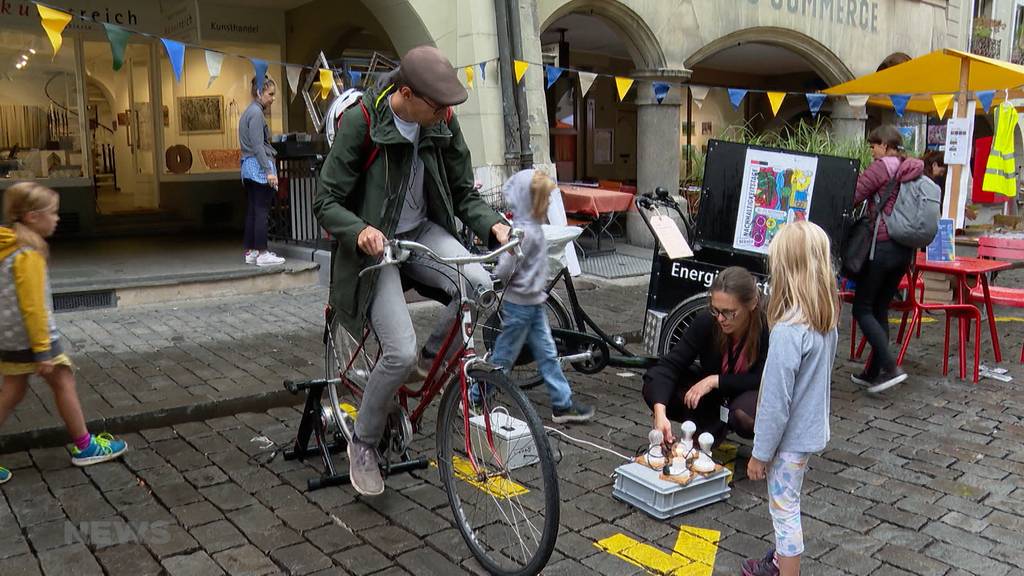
1001 169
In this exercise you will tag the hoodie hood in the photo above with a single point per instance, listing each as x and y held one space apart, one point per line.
8 242
517 196
904 171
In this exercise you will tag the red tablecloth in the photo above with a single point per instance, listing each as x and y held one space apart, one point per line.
594 201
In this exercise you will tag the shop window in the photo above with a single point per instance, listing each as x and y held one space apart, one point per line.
200 119
40 128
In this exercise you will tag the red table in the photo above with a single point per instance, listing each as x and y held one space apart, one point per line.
601 204
964 267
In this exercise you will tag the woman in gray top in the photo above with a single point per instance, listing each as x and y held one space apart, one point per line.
259 174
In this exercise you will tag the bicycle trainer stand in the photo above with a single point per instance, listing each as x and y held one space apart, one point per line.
317 421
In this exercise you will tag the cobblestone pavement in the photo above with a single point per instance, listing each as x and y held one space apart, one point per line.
927 479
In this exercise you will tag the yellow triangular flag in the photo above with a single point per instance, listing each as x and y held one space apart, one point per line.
623 85
521 69
469 77
942 102
54 22
776 99
326 79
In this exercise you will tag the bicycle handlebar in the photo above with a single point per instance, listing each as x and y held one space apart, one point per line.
398 251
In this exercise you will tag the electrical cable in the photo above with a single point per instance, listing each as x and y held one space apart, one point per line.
586 443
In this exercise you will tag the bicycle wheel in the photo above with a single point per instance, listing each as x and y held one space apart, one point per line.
507 508
679 320
340 348
524 373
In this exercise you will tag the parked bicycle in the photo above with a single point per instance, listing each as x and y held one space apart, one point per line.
494 459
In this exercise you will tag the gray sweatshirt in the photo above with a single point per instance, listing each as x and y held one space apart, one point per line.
254 137
792 412
526 286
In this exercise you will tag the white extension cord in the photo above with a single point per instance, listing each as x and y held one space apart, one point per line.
586 443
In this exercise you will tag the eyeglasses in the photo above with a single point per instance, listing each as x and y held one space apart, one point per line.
438 108
723 314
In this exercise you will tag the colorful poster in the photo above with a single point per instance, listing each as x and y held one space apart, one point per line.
777 188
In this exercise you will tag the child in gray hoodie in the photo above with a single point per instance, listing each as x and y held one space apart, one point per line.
523 316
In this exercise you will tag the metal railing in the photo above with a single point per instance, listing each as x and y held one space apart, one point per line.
988 47
292 220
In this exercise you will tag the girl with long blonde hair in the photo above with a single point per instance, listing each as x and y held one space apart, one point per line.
29 342
793 410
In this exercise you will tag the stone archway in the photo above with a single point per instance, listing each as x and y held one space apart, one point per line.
826 64
402 23
643 46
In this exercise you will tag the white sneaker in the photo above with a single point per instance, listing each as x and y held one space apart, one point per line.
250 256
269 259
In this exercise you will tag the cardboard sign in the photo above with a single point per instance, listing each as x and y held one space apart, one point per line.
670 237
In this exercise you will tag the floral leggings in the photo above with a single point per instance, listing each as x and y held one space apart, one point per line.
785 478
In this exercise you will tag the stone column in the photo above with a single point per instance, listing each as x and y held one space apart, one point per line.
847 121
657 142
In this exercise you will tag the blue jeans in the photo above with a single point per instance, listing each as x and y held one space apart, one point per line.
529 325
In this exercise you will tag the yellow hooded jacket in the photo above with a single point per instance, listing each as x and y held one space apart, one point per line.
28 332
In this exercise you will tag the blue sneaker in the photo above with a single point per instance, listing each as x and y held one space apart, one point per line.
102 448
5 474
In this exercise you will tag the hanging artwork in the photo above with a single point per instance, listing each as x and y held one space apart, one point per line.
776 189
200 114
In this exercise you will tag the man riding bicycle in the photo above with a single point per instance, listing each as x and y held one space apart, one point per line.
399 168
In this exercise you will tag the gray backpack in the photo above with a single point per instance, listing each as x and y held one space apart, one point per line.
915 215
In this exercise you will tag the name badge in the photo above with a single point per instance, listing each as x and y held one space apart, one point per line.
723 413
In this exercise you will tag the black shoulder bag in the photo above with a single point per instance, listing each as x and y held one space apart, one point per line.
860 239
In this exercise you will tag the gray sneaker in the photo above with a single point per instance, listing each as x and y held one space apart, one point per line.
364 469
577 412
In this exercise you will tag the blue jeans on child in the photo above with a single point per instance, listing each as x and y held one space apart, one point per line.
529 325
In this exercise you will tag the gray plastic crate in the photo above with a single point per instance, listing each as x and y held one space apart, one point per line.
642 487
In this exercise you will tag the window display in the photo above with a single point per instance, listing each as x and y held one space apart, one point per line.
40 128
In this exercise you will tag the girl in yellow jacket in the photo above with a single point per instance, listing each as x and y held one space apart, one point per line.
29 342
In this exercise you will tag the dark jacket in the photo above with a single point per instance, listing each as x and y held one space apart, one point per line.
875 180
699 343
348 200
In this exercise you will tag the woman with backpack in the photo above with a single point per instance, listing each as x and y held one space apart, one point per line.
880 277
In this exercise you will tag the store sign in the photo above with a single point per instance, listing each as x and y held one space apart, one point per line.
862 14
232 24
180 20
137 15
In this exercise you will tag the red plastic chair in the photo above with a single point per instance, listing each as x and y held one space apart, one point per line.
902 305
966 312
1001 249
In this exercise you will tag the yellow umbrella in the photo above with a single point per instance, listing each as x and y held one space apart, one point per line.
941 72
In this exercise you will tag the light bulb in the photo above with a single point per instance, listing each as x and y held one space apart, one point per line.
32 50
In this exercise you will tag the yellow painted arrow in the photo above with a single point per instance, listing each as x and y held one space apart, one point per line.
693 555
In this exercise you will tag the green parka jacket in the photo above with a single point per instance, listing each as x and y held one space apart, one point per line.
347 200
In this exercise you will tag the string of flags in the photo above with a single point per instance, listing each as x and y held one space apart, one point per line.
55 20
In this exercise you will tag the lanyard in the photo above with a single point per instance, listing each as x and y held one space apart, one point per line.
732 355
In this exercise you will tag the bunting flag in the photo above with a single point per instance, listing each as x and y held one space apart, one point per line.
622 85
586 81
260 70
736 96
483 72
814 102
54 22
660 90
857 101
293 72
176 54
326 79
699 93
776 98
985 97
214 61
553 72
899 103
469 77
942 102
520 70
118 38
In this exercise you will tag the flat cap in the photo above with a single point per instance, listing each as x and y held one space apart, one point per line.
427 71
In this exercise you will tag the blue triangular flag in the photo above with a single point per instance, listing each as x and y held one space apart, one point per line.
176 54
899 103
660 90
260 66
985 97
736 96
356 76
483 71
553 72
814 102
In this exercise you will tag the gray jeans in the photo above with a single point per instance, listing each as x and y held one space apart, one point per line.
390 320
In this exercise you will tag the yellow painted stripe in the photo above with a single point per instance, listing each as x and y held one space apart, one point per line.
694 553
496 486
349 409
699 544
931 320
643 555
